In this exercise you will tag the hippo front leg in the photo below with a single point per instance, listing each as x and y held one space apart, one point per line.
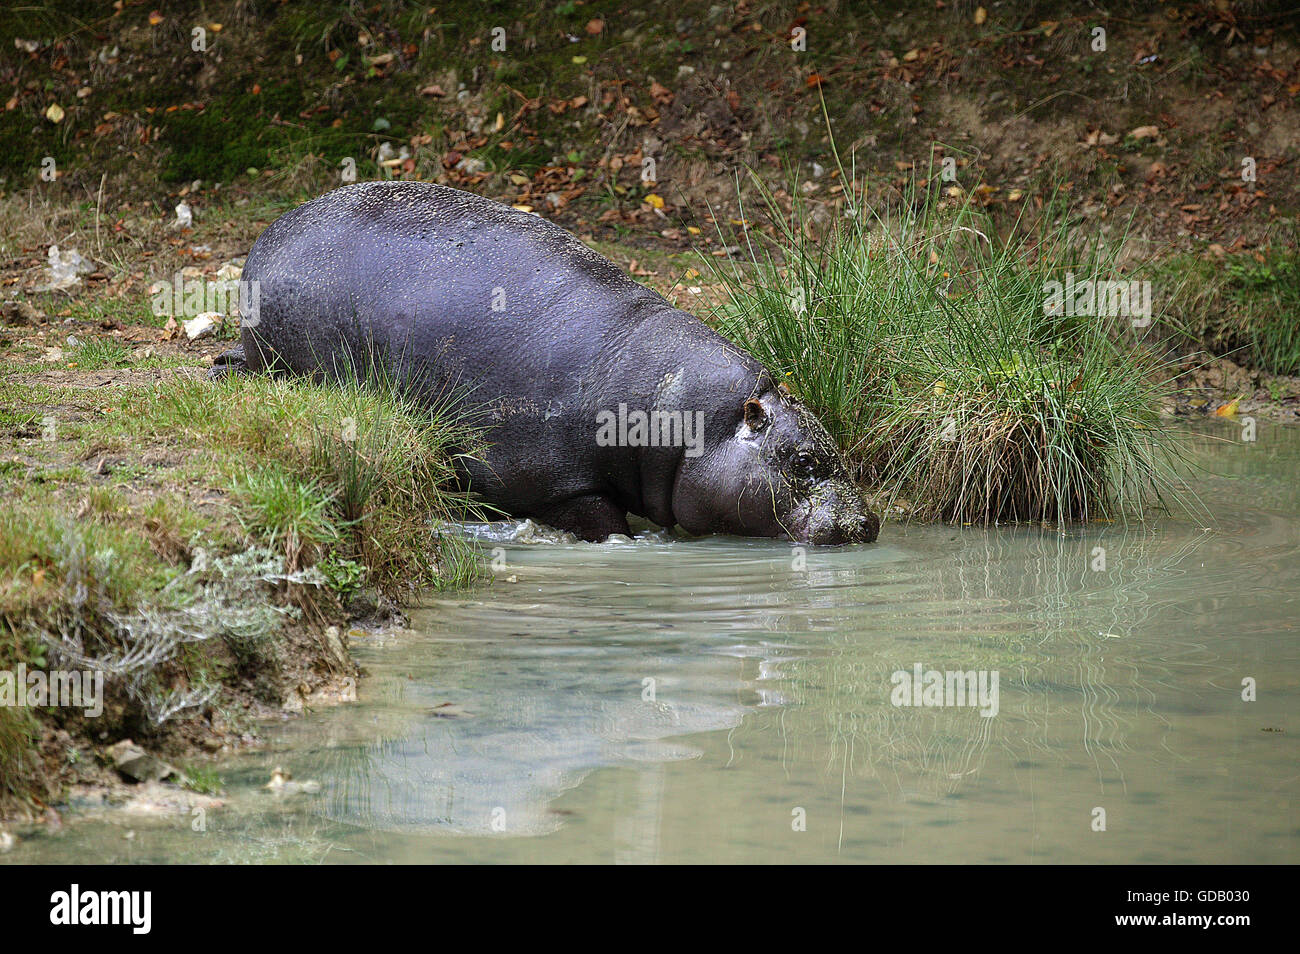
229 363
593 517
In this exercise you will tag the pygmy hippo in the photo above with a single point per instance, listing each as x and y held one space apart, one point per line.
598 397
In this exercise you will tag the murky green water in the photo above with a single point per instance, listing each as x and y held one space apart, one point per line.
669 701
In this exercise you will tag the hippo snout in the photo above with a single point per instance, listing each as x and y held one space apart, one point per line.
836 514
864 528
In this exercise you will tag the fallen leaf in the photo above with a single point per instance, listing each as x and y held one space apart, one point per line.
1145 132
448 710
980 16
55 113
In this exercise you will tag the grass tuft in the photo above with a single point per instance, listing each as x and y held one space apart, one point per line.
922 340
101 354
1269 291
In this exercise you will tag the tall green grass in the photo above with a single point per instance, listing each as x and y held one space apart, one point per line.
1269 292
920 337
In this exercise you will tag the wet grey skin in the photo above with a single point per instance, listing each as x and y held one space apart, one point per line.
534 335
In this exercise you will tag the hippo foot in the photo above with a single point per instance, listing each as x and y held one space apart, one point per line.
228 363
592 518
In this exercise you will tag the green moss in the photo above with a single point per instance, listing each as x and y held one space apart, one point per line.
238 131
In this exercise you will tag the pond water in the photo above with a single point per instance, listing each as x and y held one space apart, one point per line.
720 700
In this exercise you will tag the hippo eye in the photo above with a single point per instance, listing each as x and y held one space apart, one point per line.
804 465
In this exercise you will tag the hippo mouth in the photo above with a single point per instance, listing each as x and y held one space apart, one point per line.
832 522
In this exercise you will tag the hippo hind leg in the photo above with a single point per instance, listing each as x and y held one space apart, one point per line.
592 517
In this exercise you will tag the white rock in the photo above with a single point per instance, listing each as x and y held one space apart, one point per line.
229 271
202 325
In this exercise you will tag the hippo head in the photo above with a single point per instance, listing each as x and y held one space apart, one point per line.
773 471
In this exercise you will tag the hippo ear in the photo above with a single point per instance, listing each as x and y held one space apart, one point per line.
755 415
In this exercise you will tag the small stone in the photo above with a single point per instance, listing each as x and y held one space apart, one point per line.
336 648
20 312
202 325
136 765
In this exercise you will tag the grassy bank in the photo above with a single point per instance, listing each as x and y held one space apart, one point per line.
194 541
